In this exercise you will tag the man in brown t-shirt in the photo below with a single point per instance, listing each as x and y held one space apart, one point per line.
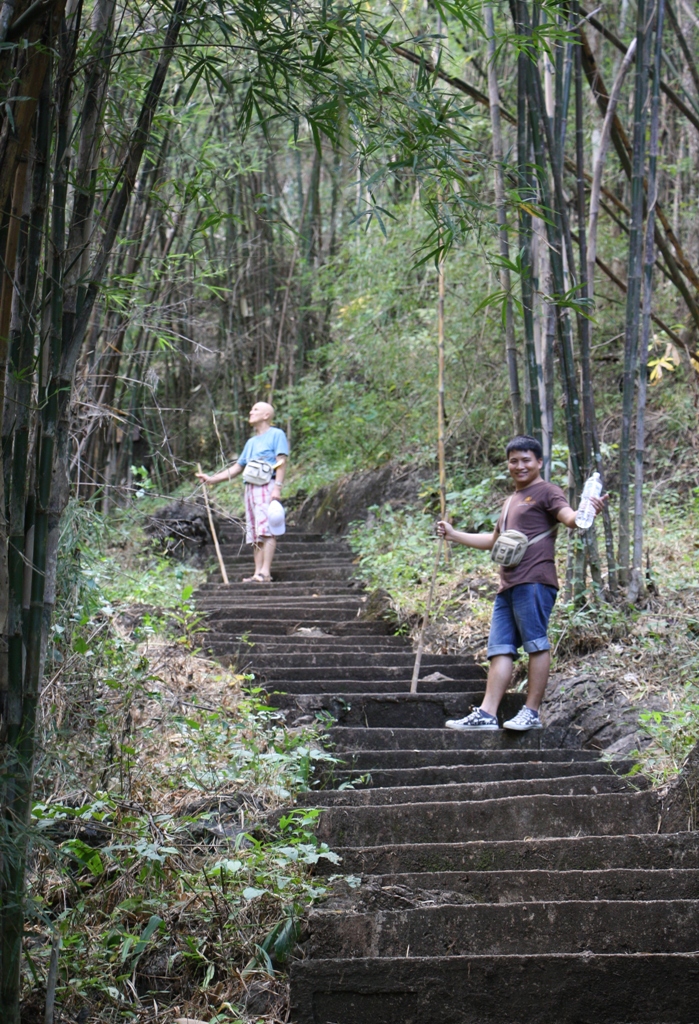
527 592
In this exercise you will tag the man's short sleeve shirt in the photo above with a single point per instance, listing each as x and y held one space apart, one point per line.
533 510
267 446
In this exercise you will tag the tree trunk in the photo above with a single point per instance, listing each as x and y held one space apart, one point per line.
504 270
527 194
636 583
633 294
591 447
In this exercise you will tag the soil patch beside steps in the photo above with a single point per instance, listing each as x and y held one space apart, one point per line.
505 878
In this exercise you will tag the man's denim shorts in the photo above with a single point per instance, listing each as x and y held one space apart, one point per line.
520 619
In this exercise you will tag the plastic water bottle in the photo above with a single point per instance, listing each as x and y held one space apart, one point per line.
585 515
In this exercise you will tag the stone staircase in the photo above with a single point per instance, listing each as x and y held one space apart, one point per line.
504 881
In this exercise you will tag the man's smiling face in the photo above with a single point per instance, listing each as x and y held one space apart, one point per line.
524 468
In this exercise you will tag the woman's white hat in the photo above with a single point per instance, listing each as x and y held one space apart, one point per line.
275 518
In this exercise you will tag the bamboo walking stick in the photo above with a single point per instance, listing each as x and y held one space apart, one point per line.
213 531
442 472
421 642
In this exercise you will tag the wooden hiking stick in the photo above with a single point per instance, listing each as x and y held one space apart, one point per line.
213 531
421 642
442 469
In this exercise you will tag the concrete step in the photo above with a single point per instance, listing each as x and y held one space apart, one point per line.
382 891
392 711
369 672
286 627
352 738
290 650
315 565
235 602
354 687
378 760
442 775
574 785
277 677
572 926
285 588
575 988
300 643
382 666
293 535
537 817
565 853
371 648
284 572
240 592
285 619
391 661
289 545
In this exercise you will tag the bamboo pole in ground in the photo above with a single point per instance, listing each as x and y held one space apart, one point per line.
442 468
421 642
224 574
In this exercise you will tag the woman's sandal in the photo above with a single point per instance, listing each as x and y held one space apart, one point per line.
259 577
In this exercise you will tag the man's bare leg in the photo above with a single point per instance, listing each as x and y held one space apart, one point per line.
267 549
257 555
537 678
499 676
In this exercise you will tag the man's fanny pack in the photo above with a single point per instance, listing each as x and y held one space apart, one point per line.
508 550
257 472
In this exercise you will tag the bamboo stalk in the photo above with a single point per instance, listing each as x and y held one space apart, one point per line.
636 585
591 447
52 978
684 45
527 195
425 620
287 289
503 239
678 266
119 202
441 459
597 85
214 535
598 170
555 228
633 294
668 90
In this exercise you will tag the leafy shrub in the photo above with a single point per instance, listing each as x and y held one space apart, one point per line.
141 872
672 735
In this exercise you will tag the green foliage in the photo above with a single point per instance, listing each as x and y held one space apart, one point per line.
369 393
160 857
672 734
396 552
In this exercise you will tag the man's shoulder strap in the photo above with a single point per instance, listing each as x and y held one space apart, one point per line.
505 510
540 536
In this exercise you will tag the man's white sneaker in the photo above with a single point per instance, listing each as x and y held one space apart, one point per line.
476 720
524 719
